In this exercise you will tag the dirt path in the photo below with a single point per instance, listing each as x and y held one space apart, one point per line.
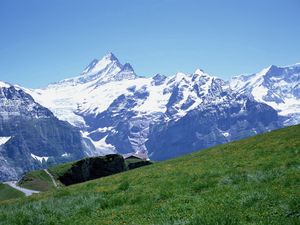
26 191
52 178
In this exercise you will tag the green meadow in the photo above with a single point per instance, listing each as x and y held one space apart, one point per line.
252 181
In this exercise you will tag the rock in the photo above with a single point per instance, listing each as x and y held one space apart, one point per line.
93 168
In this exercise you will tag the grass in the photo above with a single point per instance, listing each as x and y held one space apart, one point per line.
252 181
37 180
7 192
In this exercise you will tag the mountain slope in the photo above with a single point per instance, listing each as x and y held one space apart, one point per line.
252 181
121 112
31 136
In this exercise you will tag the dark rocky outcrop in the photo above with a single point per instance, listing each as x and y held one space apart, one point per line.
92 168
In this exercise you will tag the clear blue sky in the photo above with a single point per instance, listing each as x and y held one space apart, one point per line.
46 41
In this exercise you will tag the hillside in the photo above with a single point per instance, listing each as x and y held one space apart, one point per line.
37 180
252 181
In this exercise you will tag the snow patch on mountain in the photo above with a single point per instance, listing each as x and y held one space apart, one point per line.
41 159
3 140
156 101
226 134
66 154
259 92
102 145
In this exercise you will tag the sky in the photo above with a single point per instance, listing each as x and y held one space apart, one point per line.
46 41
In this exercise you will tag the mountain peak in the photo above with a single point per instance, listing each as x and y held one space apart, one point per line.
272 68
110 56
97 66
199 72
126 72
4 85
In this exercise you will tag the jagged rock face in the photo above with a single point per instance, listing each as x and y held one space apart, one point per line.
16 103
33 136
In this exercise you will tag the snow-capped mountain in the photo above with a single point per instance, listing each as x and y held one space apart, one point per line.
105 70
279 87
31 137
159 116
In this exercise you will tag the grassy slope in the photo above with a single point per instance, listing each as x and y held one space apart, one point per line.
7 192
37 180
253 181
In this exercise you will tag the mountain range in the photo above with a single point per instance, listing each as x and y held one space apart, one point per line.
110 109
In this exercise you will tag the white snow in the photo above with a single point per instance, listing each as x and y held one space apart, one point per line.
4 85
100 65
259 92
66 154
3 140
104 129
241 82
156 101
39 158
84 134
289 106
226 134
102 145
